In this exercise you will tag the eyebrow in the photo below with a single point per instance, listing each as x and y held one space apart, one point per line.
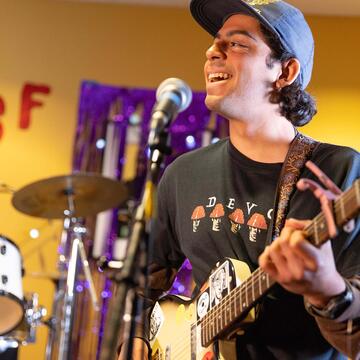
234 32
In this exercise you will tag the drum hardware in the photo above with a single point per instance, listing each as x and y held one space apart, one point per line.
77 254
11 292
25 332
107 265
70 197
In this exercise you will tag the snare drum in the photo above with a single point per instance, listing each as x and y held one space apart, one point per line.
11 292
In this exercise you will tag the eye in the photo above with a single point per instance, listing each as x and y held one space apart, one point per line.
236 44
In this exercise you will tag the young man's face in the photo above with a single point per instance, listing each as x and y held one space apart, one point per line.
238 80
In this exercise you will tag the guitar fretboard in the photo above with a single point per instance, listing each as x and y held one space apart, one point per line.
236 305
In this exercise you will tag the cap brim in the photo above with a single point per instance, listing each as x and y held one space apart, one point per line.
211 15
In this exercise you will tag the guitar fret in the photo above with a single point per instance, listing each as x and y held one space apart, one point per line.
208 335
243 301
228 304
220 322
232 308
210 325
216 322
205 334
260 290
225 311
221 319
322 225
235 301
347 206
342 208
212 333
316 234
203 340
246 294
263 278
226 314
252 291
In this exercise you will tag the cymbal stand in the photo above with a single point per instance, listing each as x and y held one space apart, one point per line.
76 232
60 287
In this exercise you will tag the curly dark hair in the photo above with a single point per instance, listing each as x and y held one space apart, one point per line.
297 105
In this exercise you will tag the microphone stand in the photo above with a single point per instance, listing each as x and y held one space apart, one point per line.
133 272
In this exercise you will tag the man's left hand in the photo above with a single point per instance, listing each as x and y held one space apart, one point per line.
302 268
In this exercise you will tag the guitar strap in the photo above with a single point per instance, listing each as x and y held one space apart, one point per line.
300 151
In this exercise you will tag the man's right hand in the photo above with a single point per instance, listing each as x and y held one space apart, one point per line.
140 350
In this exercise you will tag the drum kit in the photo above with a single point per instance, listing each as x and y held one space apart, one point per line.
71 198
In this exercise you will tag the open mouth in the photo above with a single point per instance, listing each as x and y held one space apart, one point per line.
216 77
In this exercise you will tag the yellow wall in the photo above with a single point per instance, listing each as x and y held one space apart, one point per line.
60 43
336 81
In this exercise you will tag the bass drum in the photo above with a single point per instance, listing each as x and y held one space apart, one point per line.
11 291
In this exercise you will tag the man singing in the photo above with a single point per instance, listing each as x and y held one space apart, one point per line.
256 73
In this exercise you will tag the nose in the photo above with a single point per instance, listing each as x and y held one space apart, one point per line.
215 52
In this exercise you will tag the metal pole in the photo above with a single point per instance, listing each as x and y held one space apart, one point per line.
69 304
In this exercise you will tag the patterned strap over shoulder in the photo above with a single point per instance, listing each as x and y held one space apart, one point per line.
300 151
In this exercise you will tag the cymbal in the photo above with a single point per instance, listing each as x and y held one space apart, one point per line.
49 198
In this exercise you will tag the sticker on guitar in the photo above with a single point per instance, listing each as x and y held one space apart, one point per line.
156 321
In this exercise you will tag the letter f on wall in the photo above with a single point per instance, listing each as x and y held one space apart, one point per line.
27 102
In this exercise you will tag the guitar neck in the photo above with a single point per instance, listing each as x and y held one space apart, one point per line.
236 305
345 208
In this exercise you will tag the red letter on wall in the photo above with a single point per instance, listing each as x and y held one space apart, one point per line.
27 102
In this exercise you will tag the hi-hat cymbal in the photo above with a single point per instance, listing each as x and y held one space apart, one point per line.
49 198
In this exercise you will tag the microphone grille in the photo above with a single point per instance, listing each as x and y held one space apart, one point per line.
177 87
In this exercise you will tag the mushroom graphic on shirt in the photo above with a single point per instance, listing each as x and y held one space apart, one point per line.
256 223
236 220
216 216
197 215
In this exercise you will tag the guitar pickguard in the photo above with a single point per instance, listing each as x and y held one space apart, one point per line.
176 331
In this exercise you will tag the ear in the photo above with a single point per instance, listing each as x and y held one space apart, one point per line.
290 70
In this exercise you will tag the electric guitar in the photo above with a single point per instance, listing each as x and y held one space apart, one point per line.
203 328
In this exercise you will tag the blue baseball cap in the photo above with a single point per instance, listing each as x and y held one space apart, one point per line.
285 21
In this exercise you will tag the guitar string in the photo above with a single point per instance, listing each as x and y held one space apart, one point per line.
178 352
199 322
178 345
211 316
244 287
255 275
343 201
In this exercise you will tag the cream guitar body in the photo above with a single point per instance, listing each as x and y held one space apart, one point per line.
176 321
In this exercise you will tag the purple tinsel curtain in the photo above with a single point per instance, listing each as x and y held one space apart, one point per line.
100 104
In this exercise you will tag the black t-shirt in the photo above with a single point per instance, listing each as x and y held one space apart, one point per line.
215 202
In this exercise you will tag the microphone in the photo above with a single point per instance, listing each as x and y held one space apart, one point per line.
173 96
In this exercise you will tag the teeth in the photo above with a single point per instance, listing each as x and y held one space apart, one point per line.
218 77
